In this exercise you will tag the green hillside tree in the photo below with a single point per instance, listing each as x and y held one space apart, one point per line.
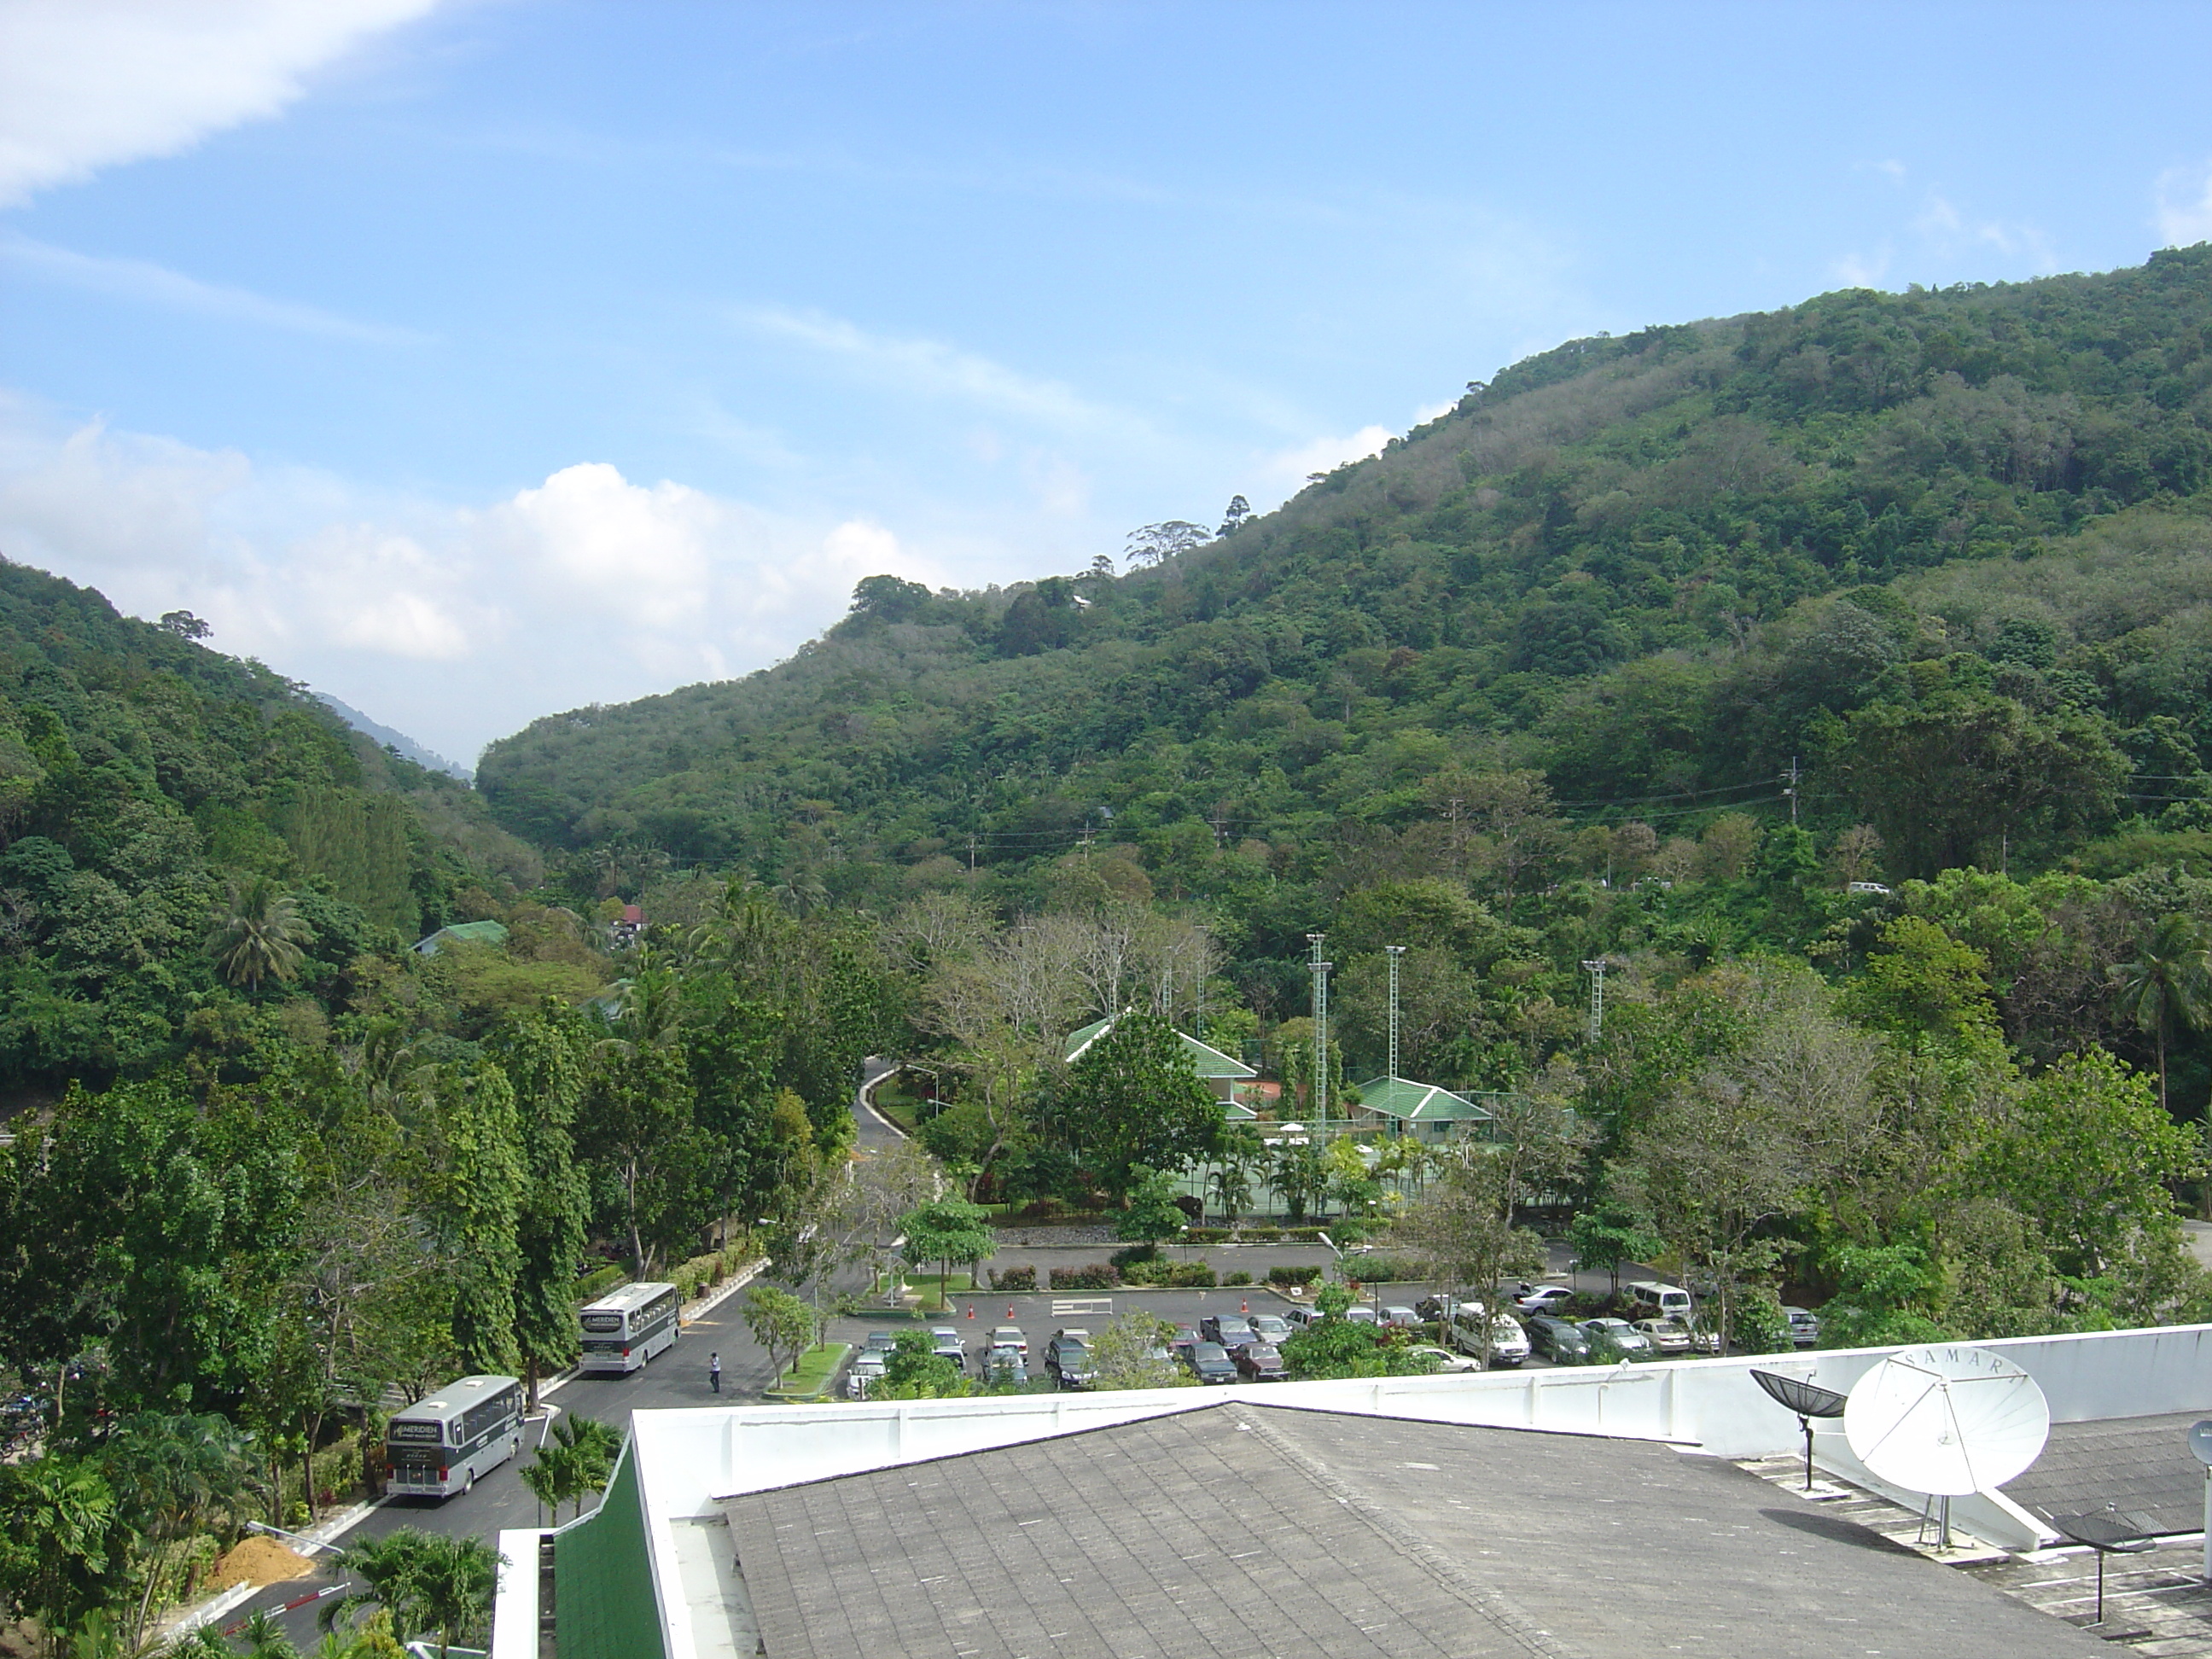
1135 1098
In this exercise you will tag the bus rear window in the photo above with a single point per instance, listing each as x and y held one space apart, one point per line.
601 1321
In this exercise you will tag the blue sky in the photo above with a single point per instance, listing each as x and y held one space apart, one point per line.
478 360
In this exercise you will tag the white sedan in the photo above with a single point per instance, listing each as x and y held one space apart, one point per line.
1446 1360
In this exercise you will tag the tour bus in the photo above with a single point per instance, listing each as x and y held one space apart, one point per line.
626 1328
441 1445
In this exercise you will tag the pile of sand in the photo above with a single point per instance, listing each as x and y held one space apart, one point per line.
258 1560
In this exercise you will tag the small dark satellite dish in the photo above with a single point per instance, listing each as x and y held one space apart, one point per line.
1807 1400
2107 1534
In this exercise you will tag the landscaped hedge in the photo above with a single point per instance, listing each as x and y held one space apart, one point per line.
1015 1278
593 1285
1288 1276
1098 1276
1238 1278
1190 1276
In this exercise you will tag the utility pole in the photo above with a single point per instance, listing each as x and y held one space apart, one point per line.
1792 792
1395 951
1320 968
1596 971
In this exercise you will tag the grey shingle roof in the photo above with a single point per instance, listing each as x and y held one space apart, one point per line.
1247 1533
2141 1466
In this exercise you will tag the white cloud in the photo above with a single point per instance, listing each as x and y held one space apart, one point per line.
1291 467
144 283
931 368
2184 206
85 84
455 622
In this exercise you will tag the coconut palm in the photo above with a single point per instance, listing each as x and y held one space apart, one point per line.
426 1581
257 932
2169 980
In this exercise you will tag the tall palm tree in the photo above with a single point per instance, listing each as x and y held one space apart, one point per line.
426 1581
2169 980
256 934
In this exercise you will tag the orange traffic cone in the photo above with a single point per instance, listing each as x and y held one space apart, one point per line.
971 1310
1010 1310
1243 1307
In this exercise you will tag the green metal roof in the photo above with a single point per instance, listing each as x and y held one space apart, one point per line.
1418 1103
472 933
605 1605
1208 1062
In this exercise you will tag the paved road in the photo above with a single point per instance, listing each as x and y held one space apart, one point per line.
500 1500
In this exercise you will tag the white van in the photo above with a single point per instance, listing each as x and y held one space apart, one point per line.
1654 1300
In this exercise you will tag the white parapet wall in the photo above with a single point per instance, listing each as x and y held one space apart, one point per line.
688 1458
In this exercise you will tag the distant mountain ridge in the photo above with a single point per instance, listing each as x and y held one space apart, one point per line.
1661 570
428 759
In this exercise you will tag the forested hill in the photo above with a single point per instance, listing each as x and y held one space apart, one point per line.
1884 534
146 782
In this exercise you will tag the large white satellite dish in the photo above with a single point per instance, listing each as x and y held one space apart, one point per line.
1946 1421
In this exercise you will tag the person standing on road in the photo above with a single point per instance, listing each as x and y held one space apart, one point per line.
714 1372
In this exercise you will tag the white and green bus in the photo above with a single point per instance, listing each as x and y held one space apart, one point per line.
626 1328
439 1446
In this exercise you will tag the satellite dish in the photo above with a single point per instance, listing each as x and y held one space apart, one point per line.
1946 1421
2200 1441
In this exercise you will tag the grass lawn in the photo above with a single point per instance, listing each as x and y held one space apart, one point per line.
810 1374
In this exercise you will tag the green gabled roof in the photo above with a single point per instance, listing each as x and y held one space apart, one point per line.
473 932
1418 1103
1208 1062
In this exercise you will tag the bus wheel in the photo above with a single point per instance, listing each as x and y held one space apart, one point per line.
468 1482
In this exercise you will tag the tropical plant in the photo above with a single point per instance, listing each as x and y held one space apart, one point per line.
428 1581
258 933
2168 983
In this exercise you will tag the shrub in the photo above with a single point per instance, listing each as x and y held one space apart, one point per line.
1191 1276
1098 1276
1148 1274
1205 1234
1015 1278
1386 1270
1285 1276
1260 1235
1239 1277
593 1285
1129 1255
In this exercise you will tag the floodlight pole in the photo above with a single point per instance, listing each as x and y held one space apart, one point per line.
1320 971
1395 951
2208 1524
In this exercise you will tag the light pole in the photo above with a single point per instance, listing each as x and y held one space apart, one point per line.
1596 971
1394 951
1320 968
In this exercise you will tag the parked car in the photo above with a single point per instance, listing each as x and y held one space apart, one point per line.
1560 1340
1360 1314
1271 1328
1185 1338
879 1342
1543 1299
945 1342
1703 1338
1653 1298
1258 1362
1209 1362
1068 1357
1627 1341
1010 1336
1804 1326
1667 1336
1446 1360
1005 1364
867 1367
1400 1317
1298 1318
1231 1331
1509 1343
